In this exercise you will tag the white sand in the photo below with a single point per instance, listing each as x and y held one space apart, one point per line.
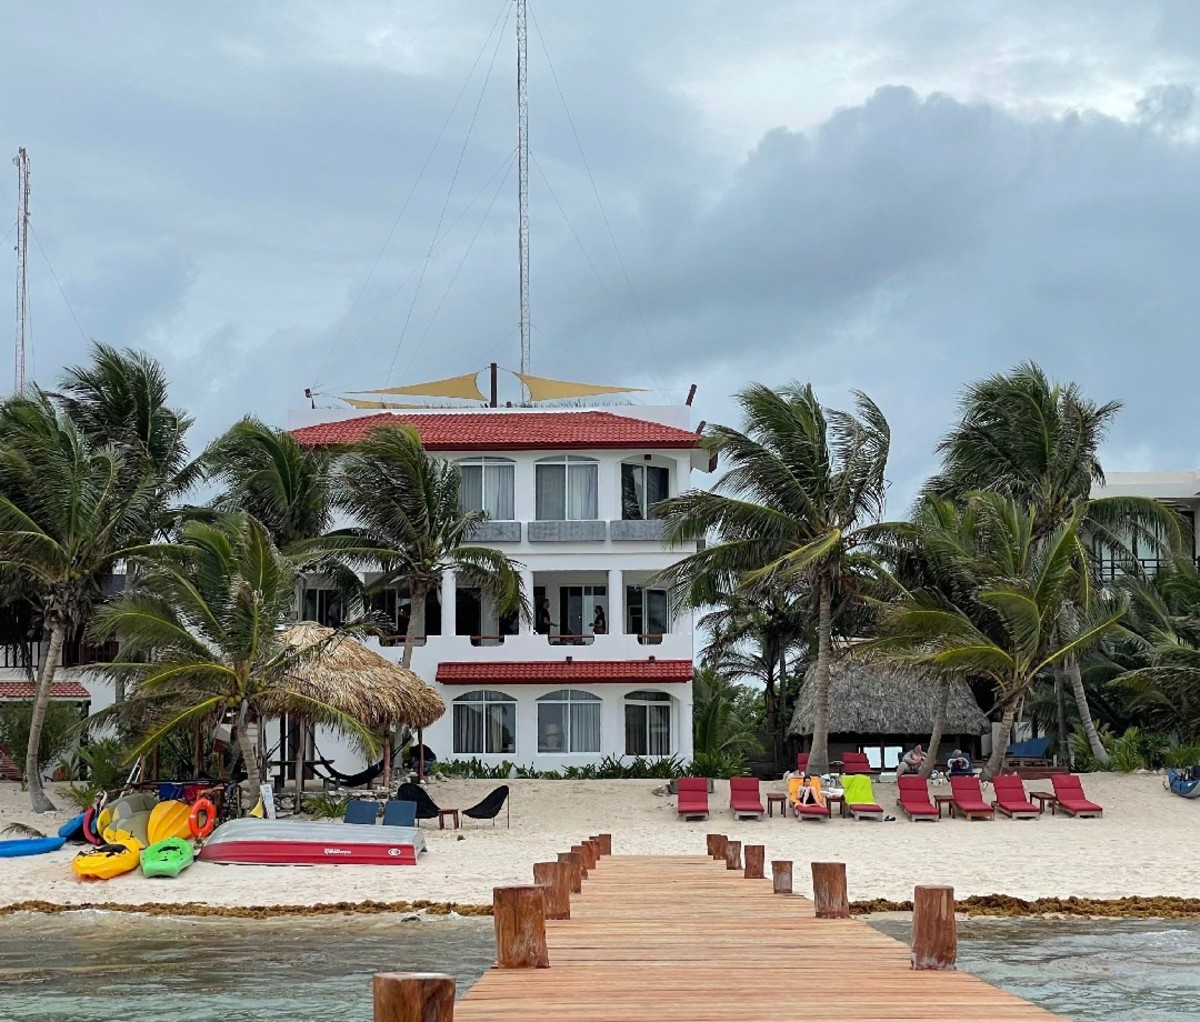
1144 845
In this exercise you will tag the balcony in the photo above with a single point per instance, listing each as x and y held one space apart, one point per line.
638 530
566 532
436 648
495 532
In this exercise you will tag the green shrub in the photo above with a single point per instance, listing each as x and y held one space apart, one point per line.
609 768
724 764
58 731
1179 756
1126 754
327 807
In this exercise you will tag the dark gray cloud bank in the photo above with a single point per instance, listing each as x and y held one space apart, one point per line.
900 199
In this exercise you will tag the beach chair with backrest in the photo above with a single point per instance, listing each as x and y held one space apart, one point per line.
857 763
427 808
1069 796
968 799
1031 752
1011 799
858 799
488 808
397 813
744 798
814 810
361 810
802 762
692 797
914 798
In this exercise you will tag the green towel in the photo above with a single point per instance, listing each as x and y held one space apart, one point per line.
856 790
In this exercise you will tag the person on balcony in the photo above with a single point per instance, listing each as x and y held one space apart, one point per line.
543 624
599 622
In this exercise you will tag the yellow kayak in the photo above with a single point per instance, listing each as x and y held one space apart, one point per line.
106 861
167 820
112 815
129 829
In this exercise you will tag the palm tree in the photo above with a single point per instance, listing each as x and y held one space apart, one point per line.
723 732
1007 631
69 511
201 636
1038 442
802 484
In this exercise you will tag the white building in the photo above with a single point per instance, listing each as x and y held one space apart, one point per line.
568 493
1179 490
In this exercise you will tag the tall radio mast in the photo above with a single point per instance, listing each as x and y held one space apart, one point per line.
21 162
523 176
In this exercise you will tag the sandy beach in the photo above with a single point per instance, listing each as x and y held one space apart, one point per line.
1144 845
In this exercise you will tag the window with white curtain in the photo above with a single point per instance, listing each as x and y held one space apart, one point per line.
488 484
567 489
569 721
485 721
647 724
643 486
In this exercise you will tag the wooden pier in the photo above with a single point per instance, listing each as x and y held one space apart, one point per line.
688 939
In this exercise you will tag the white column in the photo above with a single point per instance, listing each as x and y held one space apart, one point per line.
616 601
526 627
449 608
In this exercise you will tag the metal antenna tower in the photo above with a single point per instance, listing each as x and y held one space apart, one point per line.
21 162
523 175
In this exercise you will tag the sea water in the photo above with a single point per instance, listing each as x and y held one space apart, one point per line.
98 966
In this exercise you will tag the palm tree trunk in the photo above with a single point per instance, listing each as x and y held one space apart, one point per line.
41 701
1060 702
301 736
418 590
996 759
247 736
818 755
1075 677
935 735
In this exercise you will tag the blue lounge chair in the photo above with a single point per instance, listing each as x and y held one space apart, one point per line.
399 814
361 810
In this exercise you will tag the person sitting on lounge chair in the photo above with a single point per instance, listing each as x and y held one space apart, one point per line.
912 761
959 764
810 792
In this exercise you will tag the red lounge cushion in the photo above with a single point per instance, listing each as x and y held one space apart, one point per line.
865 807
1080 805
1016 807
812 809
972 807
746 806
693 807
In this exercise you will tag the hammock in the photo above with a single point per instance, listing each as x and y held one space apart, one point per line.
345 780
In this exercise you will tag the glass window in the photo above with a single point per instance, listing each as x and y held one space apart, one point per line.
643 486
567 489
569 721
323 606
647 613
485 722
392 606
647 724
577 607
488 484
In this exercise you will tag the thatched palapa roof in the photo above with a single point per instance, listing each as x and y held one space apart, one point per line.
358 681
869 697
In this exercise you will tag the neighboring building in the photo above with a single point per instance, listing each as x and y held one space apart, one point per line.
568 494
1179 490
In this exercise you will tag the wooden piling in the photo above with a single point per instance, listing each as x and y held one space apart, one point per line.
583 859
829 890
605 843
781 876
413 997
754 861
934 932
733 855
556 878
575 863
519 914
716 845
593 850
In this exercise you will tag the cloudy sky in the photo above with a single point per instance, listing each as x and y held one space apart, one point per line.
893 195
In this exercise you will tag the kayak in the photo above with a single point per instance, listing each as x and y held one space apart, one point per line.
106 861
30 846
167 858
168 819
72 830
1185 783
113 816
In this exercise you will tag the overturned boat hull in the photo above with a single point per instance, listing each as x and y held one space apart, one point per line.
285 842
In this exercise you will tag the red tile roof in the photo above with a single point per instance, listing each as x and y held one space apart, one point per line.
58 690
510 672
508 431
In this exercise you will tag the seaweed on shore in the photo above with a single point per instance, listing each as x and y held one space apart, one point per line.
1002 905
200 909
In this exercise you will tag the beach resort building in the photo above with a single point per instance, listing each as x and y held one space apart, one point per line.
1179 490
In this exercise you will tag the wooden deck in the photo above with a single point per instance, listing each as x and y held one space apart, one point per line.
682 939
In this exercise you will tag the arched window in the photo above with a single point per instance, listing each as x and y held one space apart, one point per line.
566 489
488 484
485 721
642 486
647 723
569 721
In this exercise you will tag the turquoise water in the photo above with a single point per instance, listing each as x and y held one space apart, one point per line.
96 967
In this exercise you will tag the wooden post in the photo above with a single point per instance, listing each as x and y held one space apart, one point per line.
829 890
934 932
781 876
413 997
716 845
556 878
605 843
519 914
754 861
575 864
733 855
584 860
592 847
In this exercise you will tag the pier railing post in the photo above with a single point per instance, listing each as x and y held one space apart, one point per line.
413 997
574 862
935 932
584 859
519 914
733 855
716 845
829 890
556 878
781 876
754 861
605 843
593 849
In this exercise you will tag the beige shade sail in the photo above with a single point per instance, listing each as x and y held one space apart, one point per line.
455 386
542 389
342 672
357 402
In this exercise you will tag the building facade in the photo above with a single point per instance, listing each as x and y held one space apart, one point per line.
1178 490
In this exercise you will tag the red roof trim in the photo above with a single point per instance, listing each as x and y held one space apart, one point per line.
71 690
507 672
509 431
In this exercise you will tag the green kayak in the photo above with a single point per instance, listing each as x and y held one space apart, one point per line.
168 858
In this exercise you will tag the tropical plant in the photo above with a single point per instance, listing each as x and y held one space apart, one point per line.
802 484
328 807
720 726
205 617
59 727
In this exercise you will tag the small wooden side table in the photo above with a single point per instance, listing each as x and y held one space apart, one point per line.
1043 799
776 798
444 814
944 800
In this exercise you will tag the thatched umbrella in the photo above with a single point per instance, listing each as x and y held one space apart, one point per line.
342 672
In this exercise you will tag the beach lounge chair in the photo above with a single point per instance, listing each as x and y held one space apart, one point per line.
857 763
1031 752
818 810
802 762
968 799
914 798
744 798
399 814
361 810
427 808
489 807
1011 799
1069 796
692 797
858 799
